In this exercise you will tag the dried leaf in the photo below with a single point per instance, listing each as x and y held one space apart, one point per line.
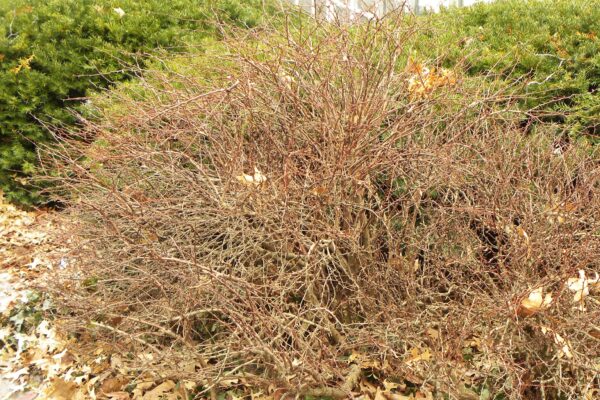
319 191
118 395
160 392
256 179
418 354
535 302
581 287
119 11
433 333
565 346
424 394
61 390
114 384
397 396
140 388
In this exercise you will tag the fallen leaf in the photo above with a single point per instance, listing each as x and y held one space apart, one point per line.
535 302
389 386
229 382
114 384
424 394
417 354
140 388
118 395
25 396
581 287
119 11
61 390
159 392
565 346
465 393
592 394
433 333
256 179
319 191
397 396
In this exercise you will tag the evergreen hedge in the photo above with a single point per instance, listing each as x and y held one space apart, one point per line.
55 52
549 49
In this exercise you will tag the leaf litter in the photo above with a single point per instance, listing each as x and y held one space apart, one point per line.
36 362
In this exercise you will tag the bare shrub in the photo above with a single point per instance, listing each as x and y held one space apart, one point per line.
300 216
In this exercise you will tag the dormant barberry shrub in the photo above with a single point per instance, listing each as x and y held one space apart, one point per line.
315 210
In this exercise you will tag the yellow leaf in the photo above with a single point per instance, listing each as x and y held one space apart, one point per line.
534 303
255 179
592 394
379 395
61 390
319 191
558 212
159 392
565 346
24 63
140 388
354 357
522 233
425 80
424 394
433 333
396 396
417 354
118 396
475 342
581 287
389 386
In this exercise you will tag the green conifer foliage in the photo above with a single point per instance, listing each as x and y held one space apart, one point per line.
55 52
550 49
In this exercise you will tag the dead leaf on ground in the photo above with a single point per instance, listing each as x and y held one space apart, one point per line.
114 384
61 390
161 392
419 354
118 396
140 388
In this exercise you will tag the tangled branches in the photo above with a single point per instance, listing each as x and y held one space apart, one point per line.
297 217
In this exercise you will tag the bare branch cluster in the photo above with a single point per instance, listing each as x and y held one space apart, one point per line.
298 204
